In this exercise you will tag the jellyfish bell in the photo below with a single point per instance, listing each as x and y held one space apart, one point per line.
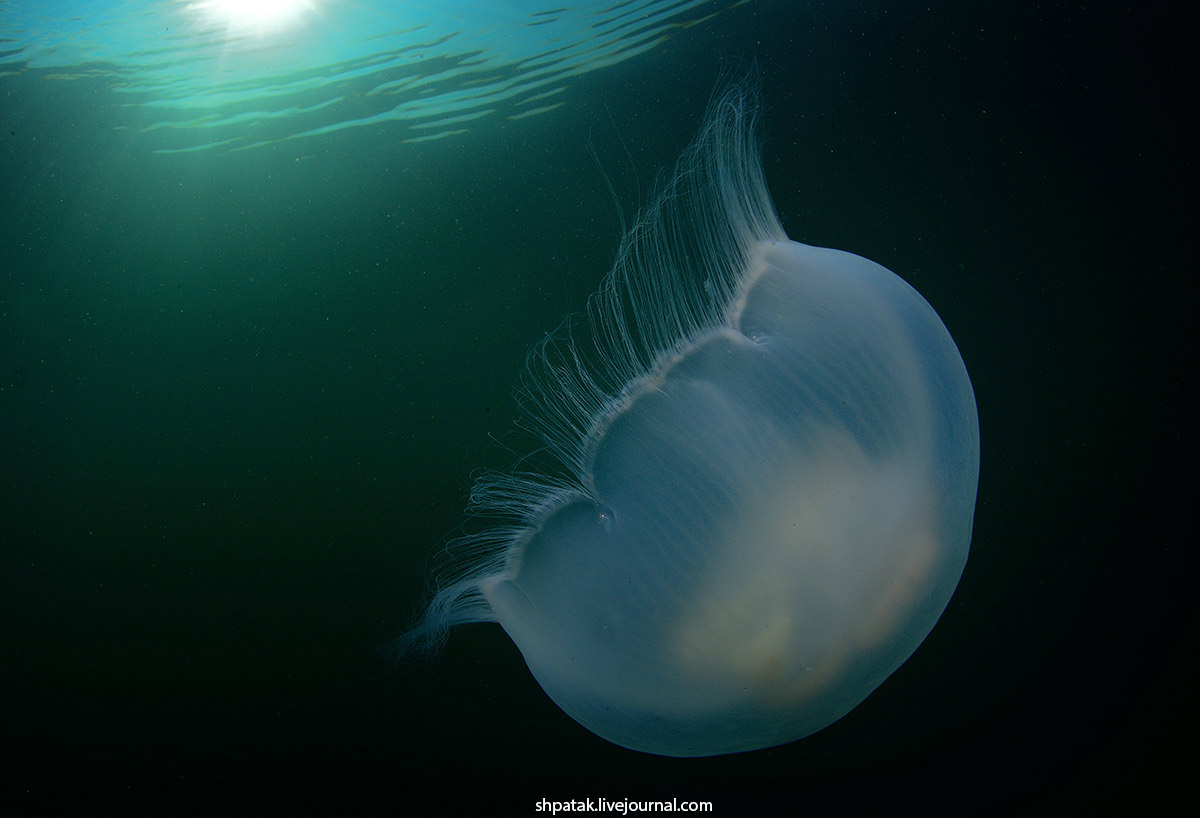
769 457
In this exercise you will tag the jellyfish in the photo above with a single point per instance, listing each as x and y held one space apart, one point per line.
759 484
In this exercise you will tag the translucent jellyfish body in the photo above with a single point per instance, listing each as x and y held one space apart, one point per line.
769 455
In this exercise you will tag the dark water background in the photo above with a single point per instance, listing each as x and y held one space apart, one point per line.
242 396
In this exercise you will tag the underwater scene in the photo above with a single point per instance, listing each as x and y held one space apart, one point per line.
749 407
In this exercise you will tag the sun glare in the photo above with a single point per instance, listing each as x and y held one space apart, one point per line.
256 17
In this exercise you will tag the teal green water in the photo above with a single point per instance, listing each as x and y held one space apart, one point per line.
243 393
199 75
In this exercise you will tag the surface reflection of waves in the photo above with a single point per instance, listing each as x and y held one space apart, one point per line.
433 69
